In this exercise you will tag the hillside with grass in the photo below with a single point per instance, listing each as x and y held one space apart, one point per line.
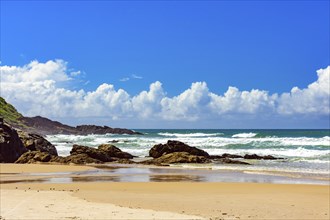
10 114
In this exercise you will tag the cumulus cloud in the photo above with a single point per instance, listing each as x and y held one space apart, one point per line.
315 99
35 89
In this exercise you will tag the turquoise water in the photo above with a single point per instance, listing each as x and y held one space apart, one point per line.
305 151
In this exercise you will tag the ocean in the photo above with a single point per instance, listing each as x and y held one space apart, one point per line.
306 152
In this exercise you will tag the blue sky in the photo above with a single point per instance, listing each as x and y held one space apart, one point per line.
270 46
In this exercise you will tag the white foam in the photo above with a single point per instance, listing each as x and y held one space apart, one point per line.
244 135
167 134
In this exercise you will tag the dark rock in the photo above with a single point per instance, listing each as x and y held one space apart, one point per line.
34 157
114 151
230 161
175 146
225 156
76 159
90 152
35 142
177 157
257 157
11 147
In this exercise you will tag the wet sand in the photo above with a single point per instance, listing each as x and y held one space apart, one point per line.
208 200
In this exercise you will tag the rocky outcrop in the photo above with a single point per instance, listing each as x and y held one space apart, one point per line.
35 142
177 157
175 146
11 147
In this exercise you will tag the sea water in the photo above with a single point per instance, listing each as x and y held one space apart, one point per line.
306 152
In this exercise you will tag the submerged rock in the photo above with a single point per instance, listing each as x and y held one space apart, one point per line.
230 161
175 146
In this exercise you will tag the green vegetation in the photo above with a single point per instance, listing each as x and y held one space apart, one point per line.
10 114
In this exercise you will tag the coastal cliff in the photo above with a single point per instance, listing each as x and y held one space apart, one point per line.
45 126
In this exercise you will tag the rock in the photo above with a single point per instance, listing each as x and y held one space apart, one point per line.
76 159
35 142
177 157
257 157
225 156
104 152
90 152
230 161
34 156
11 147
175 146
114 151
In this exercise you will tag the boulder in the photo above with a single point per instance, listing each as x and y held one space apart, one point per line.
114 151
34 157
35 142
177 157
11 147
175 146
90 152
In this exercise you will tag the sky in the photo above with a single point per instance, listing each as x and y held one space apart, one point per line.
168 64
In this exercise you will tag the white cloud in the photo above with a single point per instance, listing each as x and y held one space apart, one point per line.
35 90
136 76
315 99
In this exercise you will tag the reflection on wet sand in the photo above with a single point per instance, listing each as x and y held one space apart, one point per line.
106 173
176 178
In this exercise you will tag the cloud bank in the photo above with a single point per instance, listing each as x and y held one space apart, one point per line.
37 89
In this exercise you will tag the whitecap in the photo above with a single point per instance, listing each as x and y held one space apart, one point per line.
244 135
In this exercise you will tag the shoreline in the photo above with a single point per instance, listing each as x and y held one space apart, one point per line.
112 172
153 200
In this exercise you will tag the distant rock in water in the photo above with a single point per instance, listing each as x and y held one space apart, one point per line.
175 146
257 157
11 146
93 129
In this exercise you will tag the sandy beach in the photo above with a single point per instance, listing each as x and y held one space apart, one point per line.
155 200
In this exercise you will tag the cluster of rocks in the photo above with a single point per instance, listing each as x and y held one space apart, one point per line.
178 152
23 147
79 155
